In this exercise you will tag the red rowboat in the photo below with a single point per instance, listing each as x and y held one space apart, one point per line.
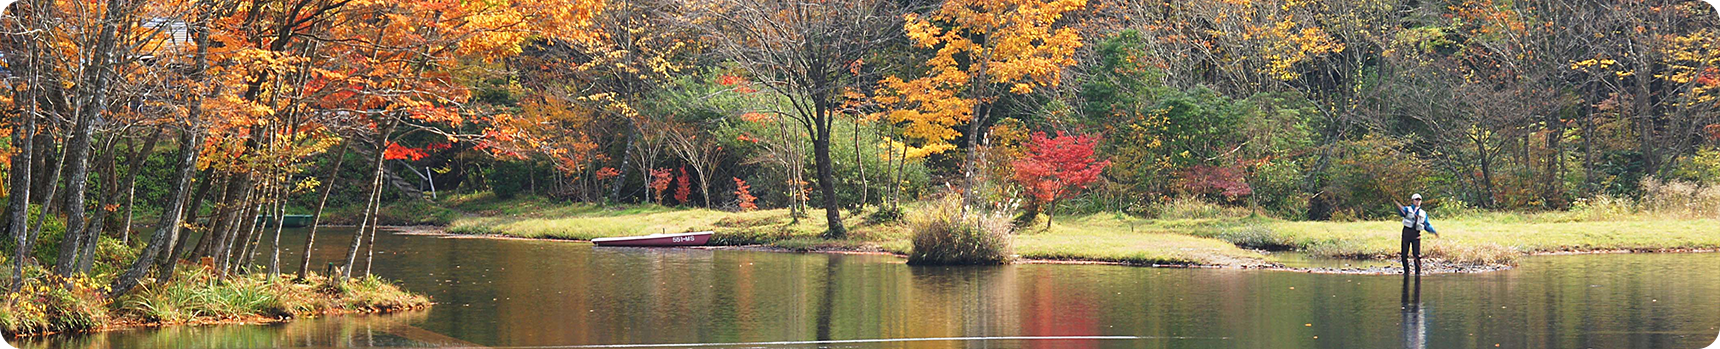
678 239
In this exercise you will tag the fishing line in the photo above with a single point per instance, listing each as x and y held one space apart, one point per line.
865 341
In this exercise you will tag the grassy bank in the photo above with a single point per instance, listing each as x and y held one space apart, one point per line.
1217 238
47 303
193 296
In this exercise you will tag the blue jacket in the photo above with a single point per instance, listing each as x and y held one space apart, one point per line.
1426 219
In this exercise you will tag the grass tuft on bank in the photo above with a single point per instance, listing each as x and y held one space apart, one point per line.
944 236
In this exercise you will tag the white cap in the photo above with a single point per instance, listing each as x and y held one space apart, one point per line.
1416 196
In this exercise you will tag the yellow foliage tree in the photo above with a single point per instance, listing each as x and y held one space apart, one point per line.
983 48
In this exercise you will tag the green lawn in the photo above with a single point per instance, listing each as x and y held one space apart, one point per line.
1476 239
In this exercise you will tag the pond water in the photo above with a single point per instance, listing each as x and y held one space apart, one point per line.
521 293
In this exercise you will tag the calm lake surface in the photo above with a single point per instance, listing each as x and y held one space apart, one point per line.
519 293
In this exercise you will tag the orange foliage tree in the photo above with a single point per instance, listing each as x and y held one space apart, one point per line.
984 48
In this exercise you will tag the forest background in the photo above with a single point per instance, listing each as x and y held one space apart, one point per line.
196 114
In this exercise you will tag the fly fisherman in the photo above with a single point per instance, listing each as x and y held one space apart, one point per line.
1414 222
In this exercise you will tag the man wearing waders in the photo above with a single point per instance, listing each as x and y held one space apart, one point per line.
1414 222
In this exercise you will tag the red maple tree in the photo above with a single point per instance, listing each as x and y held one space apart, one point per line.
660 178
743 193
683 187
1057 167
397 152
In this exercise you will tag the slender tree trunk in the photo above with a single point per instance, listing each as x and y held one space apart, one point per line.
191 144
704 185
135 166
372 200
1486 172
246 259
195 207
370 239
220 220
176 247
275 243
215 224
896 182
316 218
51 190
971 165
232 248
859 164
93 229
626 155
93 105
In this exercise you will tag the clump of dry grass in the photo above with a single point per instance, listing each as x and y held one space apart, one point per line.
1196 208
1680 199
943 235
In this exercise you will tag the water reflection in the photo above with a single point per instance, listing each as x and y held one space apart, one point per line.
338 331
1414 320
536 293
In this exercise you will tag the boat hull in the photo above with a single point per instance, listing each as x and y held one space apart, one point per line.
657 240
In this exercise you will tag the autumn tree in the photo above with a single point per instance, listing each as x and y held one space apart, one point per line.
984 49
805 51
634 50
1057 167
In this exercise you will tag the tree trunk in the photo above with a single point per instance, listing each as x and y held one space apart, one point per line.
316 217
244 222
827 177
896 182
77 155
704 185
626 153
246 258
372 200
280 214
971 165
370 238
168 226
109 194
50 189
220 219
18 197
191 144
135 165
859 164
195 206
176 247
1486 172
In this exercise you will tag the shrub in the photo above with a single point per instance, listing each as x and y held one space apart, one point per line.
942 236
77 307
23 311
885 215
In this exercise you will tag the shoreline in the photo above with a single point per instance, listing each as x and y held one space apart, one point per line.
166 305
247 320
1433 267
